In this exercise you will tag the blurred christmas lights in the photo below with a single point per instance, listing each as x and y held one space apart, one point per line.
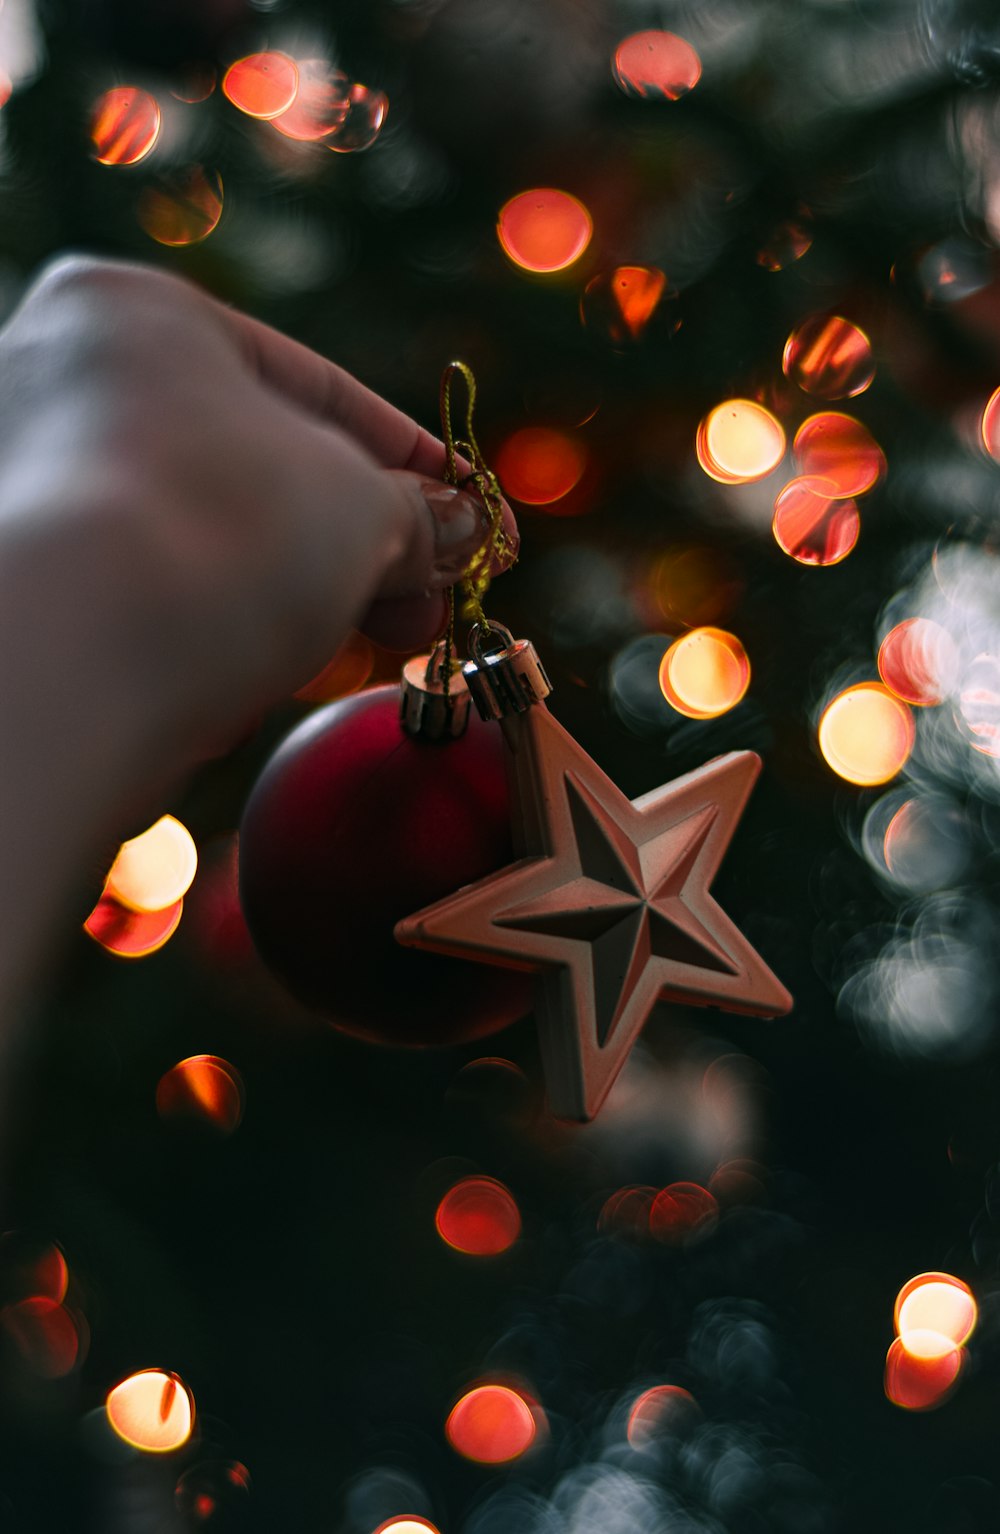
658 1410
787 243
829 357
739 441
837 447
213 1493
152 1411
124 125
938 1303
131 934
320 105
812 523
934 1316
683 1212
154 870
44 1335
657 65
182 208
491 1424
704 673
262 84
544 230
620 304
363 121
478 1216
918 1376
538 465
203 1088
866 734
917 660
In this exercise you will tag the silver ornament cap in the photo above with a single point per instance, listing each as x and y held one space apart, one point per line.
426 709
504 676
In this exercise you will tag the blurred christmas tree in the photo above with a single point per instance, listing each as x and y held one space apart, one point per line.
716 265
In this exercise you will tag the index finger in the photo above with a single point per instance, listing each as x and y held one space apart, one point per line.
331 394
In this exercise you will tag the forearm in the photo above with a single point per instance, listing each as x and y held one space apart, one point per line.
76 741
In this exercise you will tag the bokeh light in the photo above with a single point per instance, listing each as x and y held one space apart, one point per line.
694 584
31 1267
917 660
626 1212
990 425
544 230
813 523
203 1088
195 84
918 1377
407 1523
829 357
925 843
979 704
661 1409
124 125
538 465
682 1212
320 105
182 208
739 441
938 1304
213 1493
491 1424
131 934
866 734
154 870
262 84
43 1334
704 673
478 1216
786 244
366 113
151 1410
620 304
837 447
656 64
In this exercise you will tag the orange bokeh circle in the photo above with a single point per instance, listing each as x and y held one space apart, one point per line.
478 1216
704 673
491 1424
544 230
124 125
739 441
866 734
262 84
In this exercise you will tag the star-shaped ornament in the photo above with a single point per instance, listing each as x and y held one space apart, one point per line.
609 903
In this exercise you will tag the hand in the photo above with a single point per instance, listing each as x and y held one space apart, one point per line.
193 511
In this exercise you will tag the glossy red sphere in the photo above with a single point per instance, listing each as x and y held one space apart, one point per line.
354 824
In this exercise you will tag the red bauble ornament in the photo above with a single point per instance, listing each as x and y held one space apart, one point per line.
353 825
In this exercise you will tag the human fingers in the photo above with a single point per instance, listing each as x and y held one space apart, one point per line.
331 394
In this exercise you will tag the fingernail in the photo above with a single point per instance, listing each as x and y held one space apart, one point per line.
461 524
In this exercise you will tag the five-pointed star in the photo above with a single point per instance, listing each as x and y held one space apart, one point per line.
609 903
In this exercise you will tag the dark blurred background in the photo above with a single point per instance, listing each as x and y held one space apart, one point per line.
833 158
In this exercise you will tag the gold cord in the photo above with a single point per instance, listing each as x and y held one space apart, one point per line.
497 545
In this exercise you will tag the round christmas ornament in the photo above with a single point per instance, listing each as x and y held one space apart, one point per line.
361 816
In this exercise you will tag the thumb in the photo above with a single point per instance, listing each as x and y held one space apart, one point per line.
447 528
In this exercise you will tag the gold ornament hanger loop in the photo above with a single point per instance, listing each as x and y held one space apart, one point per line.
482 481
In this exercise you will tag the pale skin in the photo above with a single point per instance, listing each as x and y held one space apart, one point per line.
194 510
